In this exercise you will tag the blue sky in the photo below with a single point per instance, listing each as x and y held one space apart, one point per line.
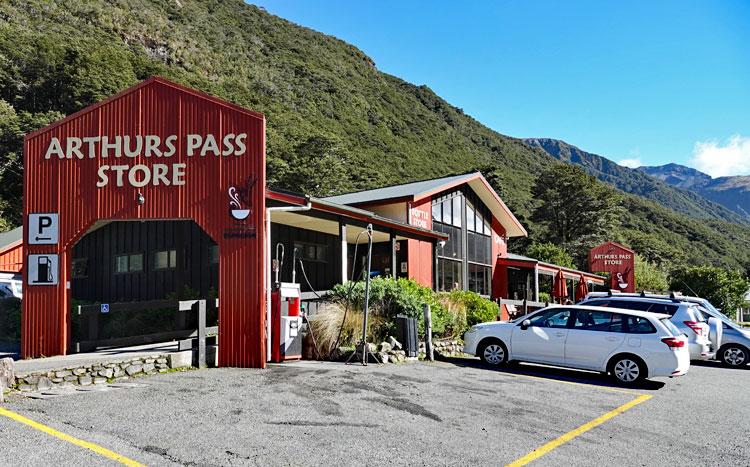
656 82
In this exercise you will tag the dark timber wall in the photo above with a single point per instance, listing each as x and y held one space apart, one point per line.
100 283
324 272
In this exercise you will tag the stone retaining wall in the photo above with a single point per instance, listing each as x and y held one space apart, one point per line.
103 372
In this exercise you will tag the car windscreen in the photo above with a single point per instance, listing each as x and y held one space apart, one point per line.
671 327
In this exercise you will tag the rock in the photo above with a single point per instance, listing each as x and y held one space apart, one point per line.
84 380
100 380
79 371
106 373
25 387
149 360
383 357
161 360
162 370
394 343
57 380
162 366
385 347
148 367
71 378
31 379
44 383
181 359
134 369
63 373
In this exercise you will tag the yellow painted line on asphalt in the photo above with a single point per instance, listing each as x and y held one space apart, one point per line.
555 443
78 442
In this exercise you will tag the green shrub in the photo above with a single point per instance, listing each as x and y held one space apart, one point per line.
390 298
478 309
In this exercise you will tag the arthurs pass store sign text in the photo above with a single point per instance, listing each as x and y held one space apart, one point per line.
117 151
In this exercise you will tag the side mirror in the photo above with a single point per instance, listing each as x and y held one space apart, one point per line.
525 324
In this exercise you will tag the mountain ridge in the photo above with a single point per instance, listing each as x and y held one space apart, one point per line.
732 192
638 182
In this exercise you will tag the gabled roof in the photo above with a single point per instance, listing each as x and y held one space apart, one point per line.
416 191
154 81
413 189
11 238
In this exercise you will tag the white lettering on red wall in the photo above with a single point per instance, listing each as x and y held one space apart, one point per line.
419 218
120 148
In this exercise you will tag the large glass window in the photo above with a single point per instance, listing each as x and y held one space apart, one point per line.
467 254
450 275
480 280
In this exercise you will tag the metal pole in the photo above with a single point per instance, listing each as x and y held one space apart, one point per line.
365 349
428 332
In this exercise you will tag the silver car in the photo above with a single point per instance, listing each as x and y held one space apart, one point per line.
685 316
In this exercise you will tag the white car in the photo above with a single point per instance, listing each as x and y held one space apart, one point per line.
11 285
629 345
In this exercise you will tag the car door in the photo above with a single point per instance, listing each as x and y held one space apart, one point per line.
592 337
544 340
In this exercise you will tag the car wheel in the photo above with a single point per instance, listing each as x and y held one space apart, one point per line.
734 356
628 370
493 353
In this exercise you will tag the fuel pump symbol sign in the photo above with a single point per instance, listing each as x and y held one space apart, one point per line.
43 269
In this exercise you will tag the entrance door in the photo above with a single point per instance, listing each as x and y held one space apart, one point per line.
593 336
544 340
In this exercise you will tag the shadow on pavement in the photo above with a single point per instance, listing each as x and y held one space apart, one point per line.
717 364
556 373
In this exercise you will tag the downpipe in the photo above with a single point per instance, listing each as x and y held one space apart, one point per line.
269 253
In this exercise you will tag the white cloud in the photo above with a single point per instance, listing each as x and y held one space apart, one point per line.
632 163
733 158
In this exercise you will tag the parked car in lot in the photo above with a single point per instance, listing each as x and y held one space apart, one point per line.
732 342
684 315
11 285
629 345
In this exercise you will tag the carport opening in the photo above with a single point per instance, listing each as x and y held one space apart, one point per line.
126 277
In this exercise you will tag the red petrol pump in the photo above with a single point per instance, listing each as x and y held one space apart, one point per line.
286 321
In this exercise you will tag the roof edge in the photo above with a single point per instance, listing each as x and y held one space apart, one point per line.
136 87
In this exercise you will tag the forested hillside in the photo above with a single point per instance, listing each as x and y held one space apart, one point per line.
335 123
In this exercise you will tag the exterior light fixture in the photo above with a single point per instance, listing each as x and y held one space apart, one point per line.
140 199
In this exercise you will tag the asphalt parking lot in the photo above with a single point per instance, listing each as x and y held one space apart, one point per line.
446 413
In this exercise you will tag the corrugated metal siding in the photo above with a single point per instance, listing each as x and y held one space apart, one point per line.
11 260
499 250
420 262
69 188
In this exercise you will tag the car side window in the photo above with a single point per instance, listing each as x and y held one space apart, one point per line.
554 318
592 320
638 325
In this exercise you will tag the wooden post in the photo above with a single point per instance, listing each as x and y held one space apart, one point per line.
428 333
201 333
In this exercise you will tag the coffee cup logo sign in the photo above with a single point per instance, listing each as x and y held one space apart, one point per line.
120 148
618 261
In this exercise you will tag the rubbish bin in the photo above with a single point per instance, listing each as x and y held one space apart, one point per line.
406 330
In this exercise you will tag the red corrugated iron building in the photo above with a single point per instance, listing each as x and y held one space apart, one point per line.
446 233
